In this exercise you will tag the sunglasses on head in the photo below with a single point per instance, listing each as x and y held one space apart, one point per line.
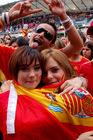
48 35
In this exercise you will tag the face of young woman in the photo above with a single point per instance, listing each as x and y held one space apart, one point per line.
86 52
53 73
30 76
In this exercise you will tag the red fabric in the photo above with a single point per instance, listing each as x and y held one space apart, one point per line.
5 53
33 121
86 70
77 65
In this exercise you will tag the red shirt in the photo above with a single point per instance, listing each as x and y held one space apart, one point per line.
77 64
86 70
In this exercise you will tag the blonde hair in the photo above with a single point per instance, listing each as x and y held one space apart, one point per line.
61 59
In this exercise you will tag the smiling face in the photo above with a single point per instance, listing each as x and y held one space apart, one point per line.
29 77
53 73
25 67
42 39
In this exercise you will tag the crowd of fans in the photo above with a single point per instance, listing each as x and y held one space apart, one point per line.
17 25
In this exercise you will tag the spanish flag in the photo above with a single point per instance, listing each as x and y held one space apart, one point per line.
44 115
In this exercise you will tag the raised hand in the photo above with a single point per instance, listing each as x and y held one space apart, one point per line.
22 9
57 8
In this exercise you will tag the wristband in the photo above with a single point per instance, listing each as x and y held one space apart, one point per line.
65 21
69 27
5 18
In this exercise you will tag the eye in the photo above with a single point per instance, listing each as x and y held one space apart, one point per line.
54 70
37 68
24 69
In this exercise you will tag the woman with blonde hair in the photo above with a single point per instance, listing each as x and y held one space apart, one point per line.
56 64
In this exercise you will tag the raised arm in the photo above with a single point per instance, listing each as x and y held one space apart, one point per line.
20 9
57 8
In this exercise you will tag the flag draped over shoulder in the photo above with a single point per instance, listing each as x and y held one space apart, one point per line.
43 114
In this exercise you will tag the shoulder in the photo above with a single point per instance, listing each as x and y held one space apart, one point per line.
8 48
85 59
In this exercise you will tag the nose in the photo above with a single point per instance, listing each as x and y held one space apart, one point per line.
32 73
49 76
84 50
41 34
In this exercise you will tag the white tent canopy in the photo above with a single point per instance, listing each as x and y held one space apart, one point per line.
3 2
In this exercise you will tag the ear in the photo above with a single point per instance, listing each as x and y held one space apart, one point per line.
52 45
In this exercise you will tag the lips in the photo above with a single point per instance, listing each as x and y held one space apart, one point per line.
30 81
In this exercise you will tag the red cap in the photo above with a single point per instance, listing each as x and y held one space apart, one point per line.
90 29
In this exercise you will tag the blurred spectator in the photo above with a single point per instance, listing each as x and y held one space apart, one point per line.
6 39
64 39
18 42
87 50
21 41
13 42
59 44
1 41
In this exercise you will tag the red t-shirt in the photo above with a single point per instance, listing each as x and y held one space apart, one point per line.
86 70
77 64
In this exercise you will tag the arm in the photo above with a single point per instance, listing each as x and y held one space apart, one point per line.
5 86
57 8
20 9
73 84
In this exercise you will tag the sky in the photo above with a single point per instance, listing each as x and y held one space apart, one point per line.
2 2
